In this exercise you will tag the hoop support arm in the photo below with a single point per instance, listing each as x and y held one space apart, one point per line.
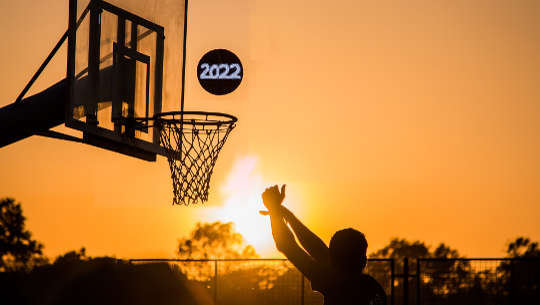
36 113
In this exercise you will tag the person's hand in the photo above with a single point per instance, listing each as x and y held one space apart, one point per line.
272 198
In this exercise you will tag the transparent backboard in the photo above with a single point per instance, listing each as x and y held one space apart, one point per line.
125 64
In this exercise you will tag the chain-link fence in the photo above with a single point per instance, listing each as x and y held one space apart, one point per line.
478 281
261 281
422 281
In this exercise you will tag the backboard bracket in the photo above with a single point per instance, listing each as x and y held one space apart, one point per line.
111 145
58 135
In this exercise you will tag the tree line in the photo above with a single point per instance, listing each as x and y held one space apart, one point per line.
28 277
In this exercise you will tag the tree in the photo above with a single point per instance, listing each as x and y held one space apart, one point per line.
436 281
215 240
522 247
72 257
75 278
18 251
444 251
401 248
398 249
521 275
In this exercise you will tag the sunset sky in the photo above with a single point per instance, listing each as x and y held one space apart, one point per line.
415 119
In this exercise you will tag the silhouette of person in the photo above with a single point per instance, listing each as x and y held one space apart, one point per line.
335 271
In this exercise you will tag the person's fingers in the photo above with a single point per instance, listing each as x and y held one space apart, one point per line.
283 190
265 213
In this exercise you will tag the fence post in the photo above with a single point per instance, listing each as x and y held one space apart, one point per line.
511 293
418 281
405 281
215 281
392 279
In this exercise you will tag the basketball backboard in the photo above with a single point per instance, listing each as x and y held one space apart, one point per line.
124 91
125 64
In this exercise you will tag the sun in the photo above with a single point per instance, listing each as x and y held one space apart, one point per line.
242 190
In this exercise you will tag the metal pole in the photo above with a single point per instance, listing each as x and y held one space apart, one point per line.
405 281
183 78
71 49
184 57
215 280
418 281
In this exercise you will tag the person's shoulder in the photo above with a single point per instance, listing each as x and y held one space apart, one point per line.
375 290
366 278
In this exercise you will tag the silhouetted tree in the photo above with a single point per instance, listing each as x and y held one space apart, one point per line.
245 283
75 278
398 249
18 251
521 276
215 240
72 256
444 251
522 247
435 274
449 279
212 241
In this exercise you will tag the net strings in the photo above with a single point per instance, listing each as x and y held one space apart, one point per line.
192 152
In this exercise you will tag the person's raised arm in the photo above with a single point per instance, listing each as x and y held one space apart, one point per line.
309 241
283 237
287 245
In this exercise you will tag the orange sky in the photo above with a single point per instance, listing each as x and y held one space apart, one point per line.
416 119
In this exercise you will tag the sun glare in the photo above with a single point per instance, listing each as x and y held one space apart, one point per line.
242 191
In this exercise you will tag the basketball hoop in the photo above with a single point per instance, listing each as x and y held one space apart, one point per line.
192 141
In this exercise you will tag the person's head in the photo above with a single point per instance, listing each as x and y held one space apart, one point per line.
348 250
